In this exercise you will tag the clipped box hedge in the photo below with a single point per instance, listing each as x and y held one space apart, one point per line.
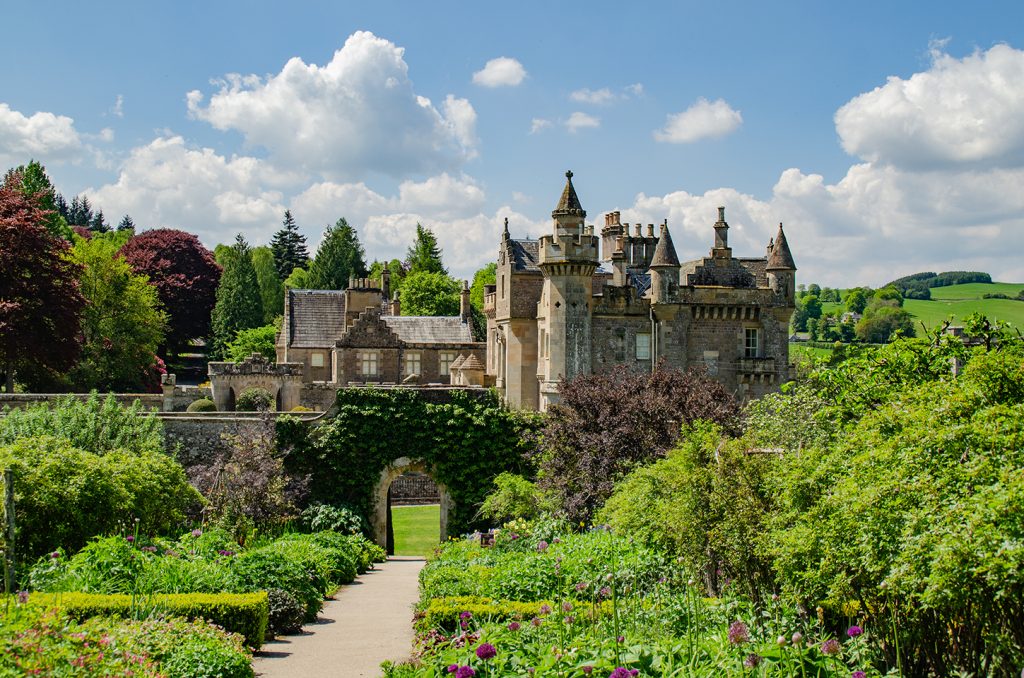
443 613
242 613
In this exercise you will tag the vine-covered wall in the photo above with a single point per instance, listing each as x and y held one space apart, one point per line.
466 442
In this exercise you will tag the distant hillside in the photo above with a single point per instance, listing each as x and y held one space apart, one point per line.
962 300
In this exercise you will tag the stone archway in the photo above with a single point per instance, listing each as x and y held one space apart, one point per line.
380 507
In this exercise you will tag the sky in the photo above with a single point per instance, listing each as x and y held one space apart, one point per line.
887 137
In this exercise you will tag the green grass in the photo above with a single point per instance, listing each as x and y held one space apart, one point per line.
799 353
959 301
417 529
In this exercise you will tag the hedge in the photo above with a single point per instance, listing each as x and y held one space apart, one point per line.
444 613
242 613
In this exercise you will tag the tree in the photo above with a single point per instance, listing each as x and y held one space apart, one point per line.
339 257
185 276
424 255
425 293
98 223
32 180
881 322
126 224
271 286
298 280
40 299
485 276
289 247
395 268
889 294
607 424
123 323
80 212
856 300
807 308
238 304
814 289
257 340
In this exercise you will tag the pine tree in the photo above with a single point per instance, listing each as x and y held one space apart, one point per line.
424 255
339 258
98 223
238 306
126 224
289 247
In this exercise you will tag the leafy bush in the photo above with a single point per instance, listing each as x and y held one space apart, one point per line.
286 613
95 425
242 613
201 405
64 495
514 498
254 400
320 517
256 340
201 656
263 569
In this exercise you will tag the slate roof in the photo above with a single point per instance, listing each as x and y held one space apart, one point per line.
781 258
569 203
316 318
417 329
525 254
756 266
664 252
641 281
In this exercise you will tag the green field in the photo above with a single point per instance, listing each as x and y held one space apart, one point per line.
960 301
417 529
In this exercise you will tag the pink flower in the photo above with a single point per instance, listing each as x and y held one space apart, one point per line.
513 626
739 633
830 647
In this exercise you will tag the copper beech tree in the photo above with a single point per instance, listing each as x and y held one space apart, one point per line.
607 424
40 302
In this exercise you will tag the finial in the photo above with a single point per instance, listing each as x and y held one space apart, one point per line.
568 174
505 233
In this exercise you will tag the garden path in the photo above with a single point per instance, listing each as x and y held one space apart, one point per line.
367 622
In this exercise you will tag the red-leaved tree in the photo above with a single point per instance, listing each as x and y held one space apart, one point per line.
40 302
607 424
185 275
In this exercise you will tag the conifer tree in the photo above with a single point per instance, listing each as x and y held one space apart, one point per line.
238 306
424 256
98 223
289 247
339 257
126 224
32 181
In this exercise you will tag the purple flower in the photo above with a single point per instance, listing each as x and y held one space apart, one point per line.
513 536
130 538
739 633
854 631
513 626
752 661
587 670
452 668
486 651
22 597
465 615
861 674
197 532
620 640
556 540
465 672
464 624
542 545
797 638
620 673
545 609
830 647
605 592
535 621
149 549
567 606
55 555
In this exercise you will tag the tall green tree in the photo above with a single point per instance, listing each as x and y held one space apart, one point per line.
426 293
395 268
289 247
40 300
238 306
424 255
32 181
298 280
488 275
271 287
126 224
339 257
123 322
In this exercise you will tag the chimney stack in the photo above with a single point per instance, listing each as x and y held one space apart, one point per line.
464 308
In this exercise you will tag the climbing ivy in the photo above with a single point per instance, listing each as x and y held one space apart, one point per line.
466 441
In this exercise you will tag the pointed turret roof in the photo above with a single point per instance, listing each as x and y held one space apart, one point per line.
665 251
781 258
569 204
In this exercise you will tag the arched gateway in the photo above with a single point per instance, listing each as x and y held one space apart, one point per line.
380 507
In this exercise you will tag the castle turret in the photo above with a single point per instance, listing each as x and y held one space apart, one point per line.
568 259
781 268
664 268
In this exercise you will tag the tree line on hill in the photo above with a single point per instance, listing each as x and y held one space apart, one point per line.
85 306
918 285
866 315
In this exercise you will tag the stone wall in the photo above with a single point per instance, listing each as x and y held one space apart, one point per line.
198 438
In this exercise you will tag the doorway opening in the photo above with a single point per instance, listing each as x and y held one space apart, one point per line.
414 515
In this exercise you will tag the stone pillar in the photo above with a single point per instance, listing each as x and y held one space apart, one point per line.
167 384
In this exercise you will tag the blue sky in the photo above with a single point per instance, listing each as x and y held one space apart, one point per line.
889 137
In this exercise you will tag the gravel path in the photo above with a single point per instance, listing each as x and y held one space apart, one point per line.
368 622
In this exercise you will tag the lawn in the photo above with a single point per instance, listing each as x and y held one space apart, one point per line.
960 301
417 529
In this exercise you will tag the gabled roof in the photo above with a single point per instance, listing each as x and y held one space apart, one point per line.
524 255
665 252
569 203
417 329
316 318
781 258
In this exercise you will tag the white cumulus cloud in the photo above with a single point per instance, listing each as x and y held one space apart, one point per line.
538 124
580 120
959 111
500 72
597 97
42 136
703 120
356 114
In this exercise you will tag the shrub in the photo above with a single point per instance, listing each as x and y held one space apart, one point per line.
254 400
94 425
65 495
201 405
201 656
446 613
320 517
515 497
242 613
286 613
301 408
263 569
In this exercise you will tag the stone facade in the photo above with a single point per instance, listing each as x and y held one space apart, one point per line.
554 312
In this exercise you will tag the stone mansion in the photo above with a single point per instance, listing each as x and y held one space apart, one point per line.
571 302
